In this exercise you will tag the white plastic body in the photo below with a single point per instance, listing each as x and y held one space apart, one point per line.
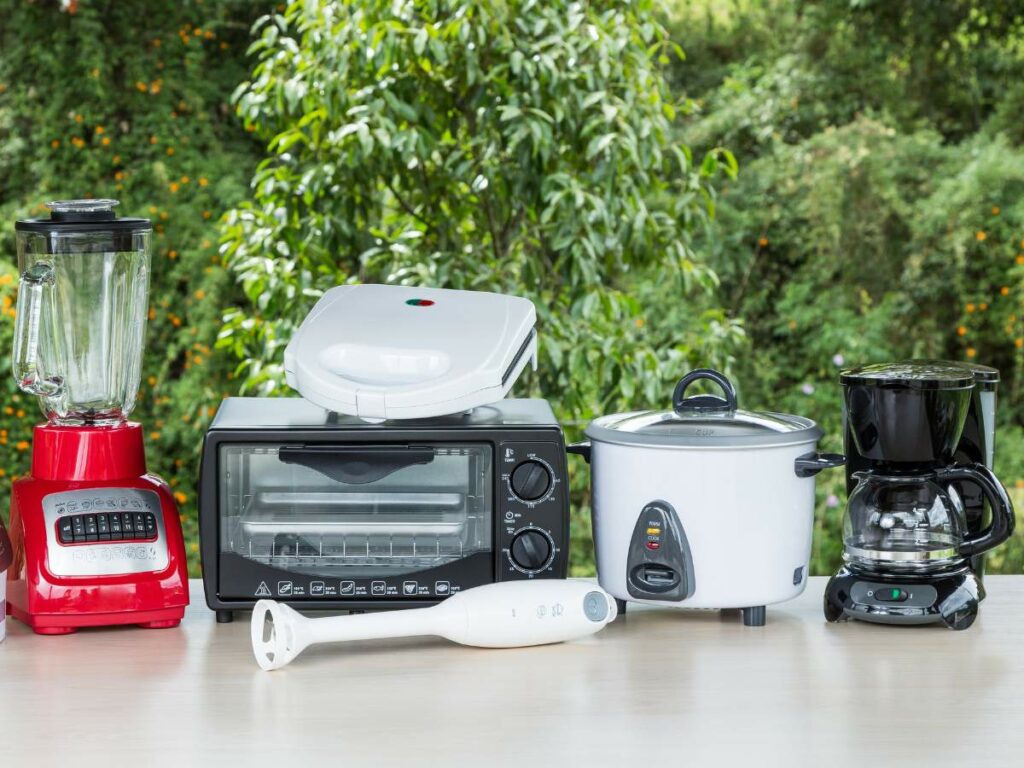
365 351
500 615
747 517
3 605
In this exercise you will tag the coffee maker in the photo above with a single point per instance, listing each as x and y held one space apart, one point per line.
96 538
923 504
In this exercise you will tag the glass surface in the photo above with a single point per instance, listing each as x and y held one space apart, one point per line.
902 523
739 423
83 356
305 519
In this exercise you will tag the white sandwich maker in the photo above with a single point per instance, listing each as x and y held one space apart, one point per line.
393 352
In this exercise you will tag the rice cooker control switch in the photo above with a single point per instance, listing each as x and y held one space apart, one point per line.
530 480
531 550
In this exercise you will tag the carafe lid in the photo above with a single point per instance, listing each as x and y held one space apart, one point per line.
704 421
910 374
71 217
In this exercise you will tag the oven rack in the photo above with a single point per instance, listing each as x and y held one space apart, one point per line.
366 554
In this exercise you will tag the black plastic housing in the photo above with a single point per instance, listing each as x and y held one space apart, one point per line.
902 425
227 575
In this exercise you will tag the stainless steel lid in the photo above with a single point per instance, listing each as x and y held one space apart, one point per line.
704 421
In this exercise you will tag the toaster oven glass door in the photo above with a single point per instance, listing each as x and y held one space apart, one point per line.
356 511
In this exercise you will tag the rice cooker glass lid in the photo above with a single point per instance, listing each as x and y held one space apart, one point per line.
702 421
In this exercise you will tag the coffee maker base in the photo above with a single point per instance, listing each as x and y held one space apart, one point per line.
949 597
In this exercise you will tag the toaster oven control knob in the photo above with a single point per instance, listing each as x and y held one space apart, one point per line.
531 550
530 480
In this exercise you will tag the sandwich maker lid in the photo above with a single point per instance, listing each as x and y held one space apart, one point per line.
396 352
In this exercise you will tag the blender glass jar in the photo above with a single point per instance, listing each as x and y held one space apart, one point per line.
81 313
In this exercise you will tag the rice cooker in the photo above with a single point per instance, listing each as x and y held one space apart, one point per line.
704 505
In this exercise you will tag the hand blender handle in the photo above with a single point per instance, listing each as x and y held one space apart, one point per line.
25 362
1003 519
514 614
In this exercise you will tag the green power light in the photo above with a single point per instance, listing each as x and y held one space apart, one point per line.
894 593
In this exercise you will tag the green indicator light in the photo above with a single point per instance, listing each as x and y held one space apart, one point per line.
894 593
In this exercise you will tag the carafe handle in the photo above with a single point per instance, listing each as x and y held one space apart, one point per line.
1003 520
25 364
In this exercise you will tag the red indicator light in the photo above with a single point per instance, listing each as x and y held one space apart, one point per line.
419 302
653 545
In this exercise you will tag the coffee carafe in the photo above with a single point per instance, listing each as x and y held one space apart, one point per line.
915 525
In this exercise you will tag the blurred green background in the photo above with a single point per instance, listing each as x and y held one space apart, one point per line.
778 189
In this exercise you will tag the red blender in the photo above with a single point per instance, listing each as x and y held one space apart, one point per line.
96 539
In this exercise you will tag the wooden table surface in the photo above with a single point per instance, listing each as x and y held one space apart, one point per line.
660 688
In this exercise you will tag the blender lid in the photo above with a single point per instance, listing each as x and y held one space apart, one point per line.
704 421
68 217
398 352
910 374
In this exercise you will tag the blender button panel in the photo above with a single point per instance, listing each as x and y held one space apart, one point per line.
76 529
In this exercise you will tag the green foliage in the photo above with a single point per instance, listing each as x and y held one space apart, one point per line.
522 147
129 100
878 214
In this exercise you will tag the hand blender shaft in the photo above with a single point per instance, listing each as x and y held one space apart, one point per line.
501 615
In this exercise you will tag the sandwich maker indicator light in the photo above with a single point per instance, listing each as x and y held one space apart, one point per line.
419 302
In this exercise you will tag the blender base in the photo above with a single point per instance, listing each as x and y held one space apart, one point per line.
94 578
950 597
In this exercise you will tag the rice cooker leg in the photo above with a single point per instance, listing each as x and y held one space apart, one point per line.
620 607
754 617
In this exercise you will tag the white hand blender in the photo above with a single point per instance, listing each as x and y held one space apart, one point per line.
502 615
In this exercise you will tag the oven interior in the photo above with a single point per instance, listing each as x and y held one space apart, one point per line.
359 511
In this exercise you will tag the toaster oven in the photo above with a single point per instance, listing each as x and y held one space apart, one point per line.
323 511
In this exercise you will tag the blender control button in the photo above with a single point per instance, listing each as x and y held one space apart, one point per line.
115 526
78 528
150 525
65 532
102 525
140 525
90 525
127 525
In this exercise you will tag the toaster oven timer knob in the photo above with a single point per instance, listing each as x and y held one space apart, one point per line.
530 480
531 550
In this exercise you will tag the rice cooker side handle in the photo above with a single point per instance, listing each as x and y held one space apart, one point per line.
580 449
811 464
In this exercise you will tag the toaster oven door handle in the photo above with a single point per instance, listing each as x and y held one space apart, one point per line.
355 464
